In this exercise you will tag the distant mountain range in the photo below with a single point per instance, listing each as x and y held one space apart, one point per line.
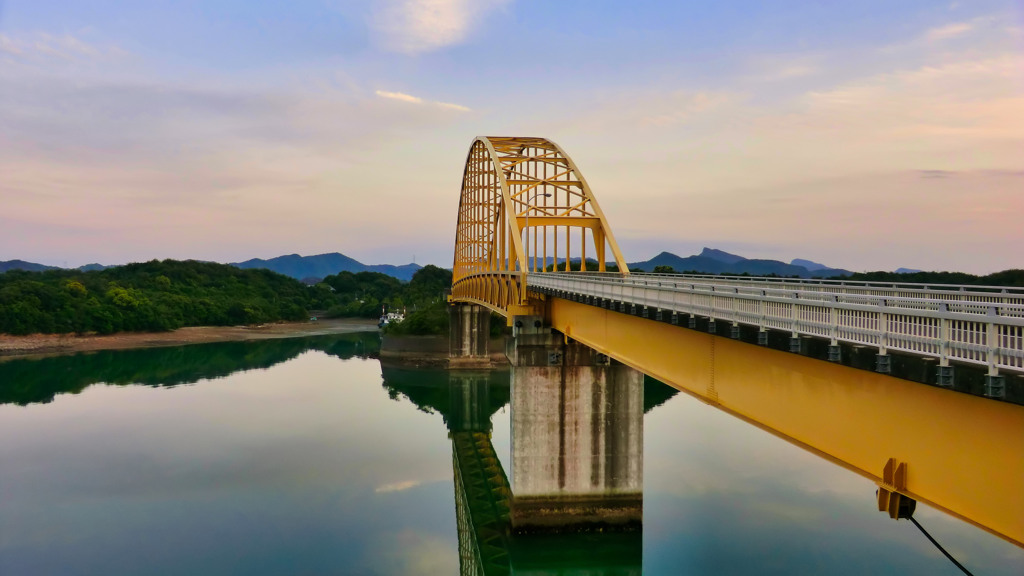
298 267
323 265
22 265
711 261
33 267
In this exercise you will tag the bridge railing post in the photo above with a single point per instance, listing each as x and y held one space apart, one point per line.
991 345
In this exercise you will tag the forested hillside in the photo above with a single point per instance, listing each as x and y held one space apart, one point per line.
363 294
1004 278
153 296
169 294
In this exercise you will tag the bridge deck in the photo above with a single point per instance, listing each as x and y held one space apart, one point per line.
974 325
963 452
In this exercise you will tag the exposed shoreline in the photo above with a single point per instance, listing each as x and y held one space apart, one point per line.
49 344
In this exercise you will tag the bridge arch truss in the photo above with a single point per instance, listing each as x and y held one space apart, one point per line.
524 208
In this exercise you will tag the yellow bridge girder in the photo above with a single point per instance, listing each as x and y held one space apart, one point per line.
524 206
960 453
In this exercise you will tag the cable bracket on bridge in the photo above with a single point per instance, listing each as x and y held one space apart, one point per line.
892 496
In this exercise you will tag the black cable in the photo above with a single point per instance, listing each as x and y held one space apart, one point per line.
941 549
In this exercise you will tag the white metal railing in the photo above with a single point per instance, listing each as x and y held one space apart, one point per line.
978 325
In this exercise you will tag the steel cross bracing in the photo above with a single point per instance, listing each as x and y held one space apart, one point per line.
524 207
970 324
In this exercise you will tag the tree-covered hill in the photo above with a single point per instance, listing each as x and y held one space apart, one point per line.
150 296
364 294
169 294
1005 278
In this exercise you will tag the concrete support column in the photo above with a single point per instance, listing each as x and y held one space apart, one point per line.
469 331
577 438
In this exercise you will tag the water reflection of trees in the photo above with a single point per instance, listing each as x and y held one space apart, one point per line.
430 390
26 381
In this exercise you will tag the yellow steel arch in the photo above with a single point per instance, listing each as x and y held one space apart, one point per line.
517 185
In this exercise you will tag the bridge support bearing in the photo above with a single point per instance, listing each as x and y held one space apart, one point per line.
712 327
944 377
675 319
995 386
796 345
762 337
469 332
734 332
883 363
692 323
577 439
835 353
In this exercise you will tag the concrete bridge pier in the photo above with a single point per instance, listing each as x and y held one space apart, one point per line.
577 436
469 331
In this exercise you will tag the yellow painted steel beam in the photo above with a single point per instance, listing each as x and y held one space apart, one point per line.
960 453
533 183
579 222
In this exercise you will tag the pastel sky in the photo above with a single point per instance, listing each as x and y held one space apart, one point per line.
867 135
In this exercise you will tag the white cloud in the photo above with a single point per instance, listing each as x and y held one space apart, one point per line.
451 106
397 486
41 46
833 162
8 46
973 99
115 151
402 97
399 96
949 31
415 26
784 67
681 106
75 45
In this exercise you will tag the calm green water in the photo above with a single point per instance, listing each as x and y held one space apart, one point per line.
305 456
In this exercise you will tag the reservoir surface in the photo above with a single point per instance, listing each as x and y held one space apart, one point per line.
307 456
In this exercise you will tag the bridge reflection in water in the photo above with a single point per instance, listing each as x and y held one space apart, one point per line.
488 542
486 502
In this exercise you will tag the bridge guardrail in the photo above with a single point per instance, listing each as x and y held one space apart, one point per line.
976 325
492 289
